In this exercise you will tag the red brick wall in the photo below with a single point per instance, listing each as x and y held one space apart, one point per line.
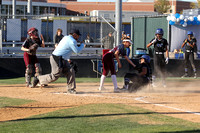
58 1
109 6
33 0
182 5
81 7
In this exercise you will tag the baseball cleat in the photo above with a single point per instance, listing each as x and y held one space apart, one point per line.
42 85
195 75
71 91
29 85
101 88
117 90
185 75
125 87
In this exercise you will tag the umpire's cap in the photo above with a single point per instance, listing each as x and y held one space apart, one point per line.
75 31
190 33
146 58
159 31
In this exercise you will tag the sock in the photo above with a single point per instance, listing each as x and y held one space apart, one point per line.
194 70
103 77
114 80
186 70
126 81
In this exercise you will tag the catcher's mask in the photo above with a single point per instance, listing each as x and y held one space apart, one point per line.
33 32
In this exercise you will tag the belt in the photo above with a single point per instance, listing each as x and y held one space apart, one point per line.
159 52
188 51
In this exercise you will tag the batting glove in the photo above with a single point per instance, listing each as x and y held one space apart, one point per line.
167 60
154 41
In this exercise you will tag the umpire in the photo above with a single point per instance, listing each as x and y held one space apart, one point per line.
59 62
160 47
190 48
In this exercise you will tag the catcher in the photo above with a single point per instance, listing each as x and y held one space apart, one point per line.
134 81
29 47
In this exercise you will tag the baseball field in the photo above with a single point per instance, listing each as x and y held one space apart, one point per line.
175 108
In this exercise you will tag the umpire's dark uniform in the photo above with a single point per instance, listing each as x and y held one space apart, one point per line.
190 44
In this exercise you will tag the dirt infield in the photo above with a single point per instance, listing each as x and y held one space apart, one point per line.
181 99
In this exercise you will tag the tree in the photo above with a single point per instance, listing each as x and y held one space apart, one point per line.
195 5
162 6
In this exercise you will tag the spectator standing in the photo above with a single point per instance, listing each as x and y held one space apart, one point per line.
58 37
108 41
89 39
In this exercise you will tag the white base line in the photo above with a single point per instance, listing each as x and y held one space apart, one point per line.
182 110
140 99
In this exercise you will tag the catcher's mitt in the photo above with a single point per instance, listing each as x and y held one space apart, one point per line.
32 49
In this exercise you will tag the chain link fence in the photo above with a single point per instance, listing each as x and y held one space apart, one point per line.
107 27
13 32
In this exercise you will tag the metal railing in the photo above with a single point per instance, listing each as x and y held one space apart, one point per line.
91 50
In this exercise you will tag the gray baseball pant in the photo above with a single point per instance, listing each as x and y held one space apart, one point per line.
56 72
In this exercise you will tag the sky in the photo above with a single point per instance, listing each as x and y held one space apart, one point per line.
114 0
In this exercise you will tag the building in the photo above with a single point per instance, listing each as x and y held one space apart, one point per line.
72 7
87 7
40 7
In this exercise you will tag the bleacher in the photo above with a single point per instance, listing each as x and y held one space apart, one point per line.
13 49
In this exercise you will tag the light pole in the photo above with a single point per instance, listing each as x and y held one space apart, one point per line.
13 8
172 6
118 20
29 7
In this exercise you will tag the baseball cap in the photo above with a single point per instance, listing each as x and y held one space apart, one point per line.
127 40
76 31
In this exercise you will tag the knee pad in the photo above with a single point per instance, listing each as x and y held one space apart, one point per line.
38 69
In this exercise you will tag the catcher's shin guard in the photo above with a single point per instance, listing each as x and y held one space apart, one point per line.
38 69
28 74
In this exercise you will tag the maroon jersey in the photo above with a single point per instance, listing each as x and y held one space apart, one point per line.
28 42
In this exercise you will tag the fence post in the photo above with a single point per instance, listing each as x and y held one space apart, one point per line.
1 46
47 31
145 31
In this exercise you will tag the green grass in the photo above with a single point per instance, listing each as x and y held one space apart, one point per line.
21 80
4 101
101 118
